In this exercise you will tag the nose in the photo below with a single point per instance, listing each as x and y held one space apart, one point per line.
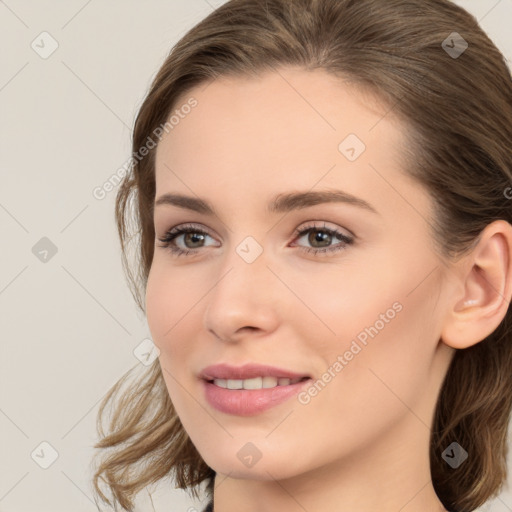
244 300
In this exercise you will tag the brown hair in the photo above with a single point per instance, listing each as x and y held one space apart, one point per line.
459 113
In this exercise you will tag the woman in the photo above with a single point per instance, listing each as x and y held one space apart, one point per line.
324 261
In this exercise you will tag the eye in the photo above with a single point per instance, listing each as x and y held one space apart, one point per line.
321 237
193 237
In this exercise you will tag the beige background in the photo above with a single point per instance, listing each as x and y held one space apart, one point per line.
69 326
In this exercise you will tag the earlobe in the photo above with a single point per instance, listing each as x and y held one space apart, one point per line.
486 278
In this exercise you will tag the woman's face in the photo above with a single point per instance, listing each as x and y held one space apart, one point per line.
362 317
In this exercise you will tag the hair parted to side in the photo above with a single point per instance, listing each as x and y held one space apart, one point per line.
459 118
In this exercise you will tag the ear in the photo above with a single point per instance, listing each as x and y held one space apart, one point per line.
485 276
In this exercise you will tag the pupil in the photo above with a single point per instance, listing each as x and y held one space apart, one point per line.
193 237
319 236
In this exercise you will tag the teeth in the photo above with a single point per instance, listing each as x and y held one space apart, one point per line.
235 384
255 383
269 382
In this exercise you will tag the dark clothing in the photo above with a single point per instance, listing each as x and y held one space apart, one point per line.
209 507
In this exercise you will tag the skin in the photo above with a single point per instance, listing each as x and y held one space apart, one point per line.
362 442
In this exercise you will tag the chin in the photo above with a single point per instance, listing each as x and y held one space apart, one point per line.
268 469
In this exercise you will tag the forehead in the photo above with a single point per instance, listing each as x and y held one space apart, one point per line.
265 106
285 129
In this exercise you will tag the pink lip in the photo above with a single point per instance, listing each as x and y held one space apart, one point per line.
247 371
248 402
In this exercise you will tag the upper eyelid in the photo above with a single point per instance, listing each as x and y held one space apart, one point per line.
304 226
311 225
188 226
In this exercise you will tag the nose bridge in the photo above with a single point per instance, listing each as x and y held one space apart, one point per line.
244 268
241 296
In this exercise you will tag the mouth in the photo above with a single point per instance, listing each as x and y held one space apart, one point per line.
252 396
266 382
250 389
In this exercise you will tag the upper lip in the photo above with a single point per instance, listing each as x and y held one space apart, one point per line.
247 371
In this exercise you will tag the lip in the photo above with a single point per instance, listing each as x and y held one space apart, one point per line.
249 402
247 371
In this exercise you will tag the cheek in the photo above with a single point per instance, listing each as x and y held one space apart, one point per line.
170 318
386 355
334 303
378 321
169 304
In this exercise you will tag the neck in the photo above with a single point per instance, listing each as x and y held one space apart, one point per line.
390 476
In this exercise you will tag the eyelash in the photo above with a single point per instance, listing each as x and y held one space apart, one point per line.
174 233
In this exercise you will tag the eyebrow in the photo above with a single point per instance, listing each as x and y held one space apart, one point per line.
280 204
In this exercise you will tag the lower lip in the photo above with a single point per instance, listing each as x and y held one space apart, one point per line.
249 402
